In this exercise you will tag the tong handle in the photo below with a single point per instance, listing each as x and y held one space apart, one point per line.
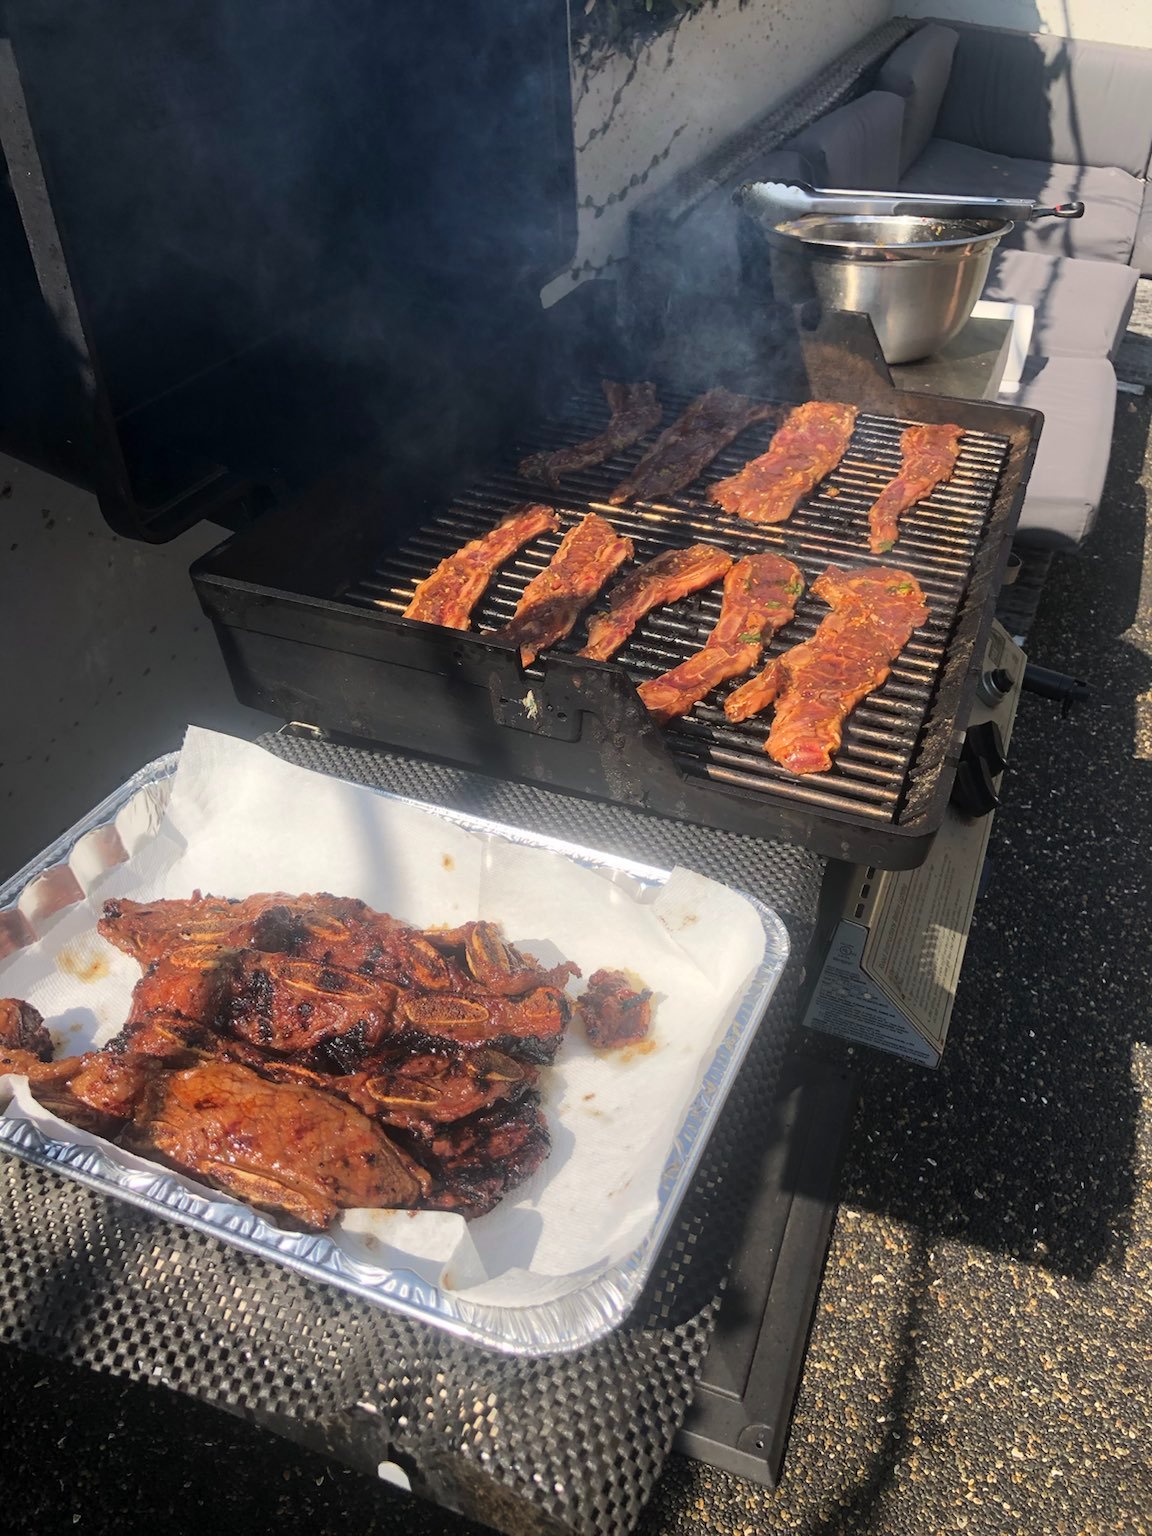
1060 211
764 197
797 197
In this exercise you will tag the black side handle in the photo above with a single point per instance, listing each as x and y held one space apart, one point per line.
1060 211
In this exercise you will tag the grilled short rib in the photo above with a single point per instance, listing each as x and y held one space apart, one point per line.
284 1147
690 444
613 1011
809 444
760 597
674 574
450 593
816 685
635 411
308 1054
928 455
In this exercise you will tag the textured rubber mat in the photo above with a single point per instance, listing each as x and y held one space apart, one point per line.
570 1443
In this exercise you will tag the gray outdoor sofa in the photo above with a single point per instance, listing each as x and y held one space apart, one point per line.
967 109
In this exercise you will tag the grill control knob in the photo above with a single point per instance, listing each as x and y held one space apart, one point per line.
973 792
983 758
986 741
993 686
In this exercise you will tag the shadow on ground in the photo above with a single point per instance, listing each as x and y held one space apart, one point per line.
1022 1141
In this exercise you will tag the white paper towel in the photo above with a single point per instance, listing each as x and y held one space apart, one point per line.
240 821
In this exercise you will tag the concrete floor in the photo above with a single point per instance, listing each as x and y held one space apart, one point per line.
106 657
982 1354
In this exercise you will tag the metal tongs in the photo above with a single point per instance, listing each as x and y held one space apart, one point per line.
777 201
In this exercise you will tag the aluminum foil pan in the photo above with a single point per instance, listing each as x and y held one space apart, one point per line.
110 834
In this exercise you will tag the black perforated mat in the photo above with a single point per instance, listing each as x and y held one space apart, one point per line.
574 1442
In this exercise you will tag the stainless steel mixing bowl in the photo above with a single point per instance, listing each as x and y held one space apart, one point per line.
917 278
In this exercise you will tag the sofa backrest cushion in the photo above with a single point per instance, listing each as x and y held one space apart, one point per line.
857 145
918 71
1049 98
788 165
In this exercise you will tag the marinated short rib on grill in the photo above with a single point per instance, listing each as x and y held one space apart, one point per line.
690 444
928 456
676 573
815 686
283 1147
635 412
588 555
760 597
614 1011
809 444
450 593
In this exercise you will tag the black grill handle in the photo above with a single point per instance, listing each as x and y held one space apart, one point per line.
1065 690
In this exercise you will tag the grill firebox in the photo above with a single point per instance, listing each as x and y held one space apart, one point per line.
871 772
578 725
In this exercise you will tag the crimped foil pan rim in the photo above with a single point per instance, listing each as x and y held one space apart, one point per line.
560 1325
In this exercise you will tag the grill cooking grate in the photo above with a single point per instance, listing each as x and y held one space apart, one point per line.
938 540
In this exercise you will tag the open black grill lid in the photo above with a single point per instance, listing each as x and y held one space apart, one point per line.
242 241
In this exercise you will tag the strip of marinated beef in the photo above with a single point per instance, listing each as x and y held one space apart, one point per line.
588 555
815 686
480 1160
635 412
676 573
528 1028
412 1092
288 1007
809 444
283 1147
152 930
494 964
928 457
452 591
760 597
690 444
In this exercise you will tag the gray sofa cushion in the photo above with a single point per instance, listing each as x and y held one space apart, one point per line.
1082 307
857 145
918 72
1078 398
1050 98
1142 248
1112 198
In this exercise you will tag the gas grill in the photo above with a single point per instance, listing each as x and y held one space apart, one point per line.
353 401
342 657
